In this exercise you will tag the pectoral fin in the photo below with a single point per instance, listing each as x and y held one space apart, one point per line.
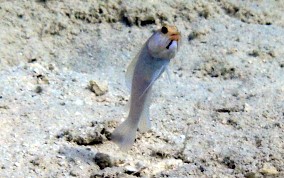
154 78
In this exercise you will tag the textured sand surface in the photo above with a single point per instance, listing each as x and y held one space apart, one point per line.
222 115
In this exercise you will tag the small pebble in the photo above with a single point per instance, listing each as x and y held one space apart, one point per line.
250 175
98 88
268 169
131 169
103 160
38 89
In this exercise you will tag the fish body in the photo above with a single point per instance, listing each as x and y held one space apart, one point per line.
141 74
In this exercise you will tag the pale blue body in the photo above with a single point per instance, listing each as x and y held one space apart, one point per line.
141 75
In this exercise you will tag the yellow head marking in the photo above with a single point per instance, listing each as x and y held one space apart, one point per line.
171 31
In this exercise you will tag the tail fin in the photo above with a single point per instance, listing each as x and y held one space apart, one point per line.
124 135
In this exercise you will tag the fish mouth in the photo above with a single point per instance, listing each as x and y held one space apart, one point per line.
169 44
175 36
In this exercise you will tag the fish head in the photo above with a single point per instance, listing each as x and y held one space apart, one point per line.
164 42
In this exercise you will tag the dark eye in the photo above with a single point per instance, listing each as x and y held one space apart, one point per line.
164 30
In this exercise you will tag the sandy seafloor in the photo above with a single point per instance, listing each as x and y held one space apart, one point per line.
221 115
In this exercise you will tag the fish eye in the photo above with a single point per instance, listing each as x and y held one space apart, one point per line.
164 30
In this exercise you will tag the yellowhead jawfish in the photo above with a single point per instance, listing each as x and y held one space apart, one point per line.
143 71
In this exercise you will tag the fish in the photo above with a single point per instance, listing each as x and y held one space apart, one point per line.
146 67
